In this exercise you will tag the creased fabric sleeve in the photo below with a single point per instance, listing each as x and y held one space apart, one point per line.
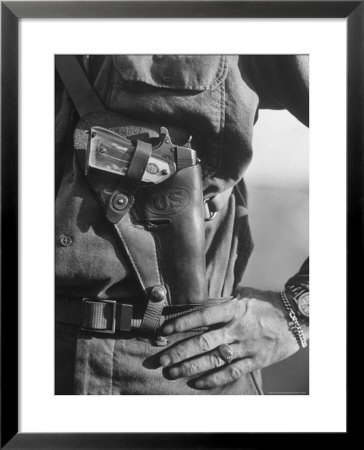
281 82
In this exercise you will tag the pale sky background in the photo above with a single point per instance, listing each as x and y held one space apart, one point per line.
280 152
278 203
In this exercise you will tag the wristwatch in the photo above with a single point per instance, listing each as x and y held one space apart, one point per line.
301 298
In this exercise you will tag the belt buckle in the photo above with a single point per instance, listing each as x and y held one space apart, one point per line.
113 319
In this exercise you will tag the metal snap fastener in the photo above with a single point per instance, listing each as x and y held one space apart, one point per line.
158 294
120 202
65 240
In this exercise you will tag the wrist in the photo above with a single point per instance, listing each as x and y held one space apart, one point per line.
298 294
298 297
299 330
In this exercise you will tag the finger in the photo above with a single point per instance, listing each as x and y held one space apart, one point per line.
226 375
204 363
209 315
196 345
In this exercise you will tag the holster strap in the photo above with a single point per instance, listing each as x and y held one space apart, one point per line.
138 243
138 164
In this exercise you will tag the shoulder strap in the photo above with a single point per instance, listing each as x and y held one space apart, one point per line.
77 85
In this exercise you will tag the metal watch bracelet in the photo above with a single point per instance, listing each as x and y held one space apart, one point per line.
294 324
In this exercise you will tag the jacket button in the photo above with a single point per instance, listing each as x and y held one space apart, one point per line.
65 240
167 77
158 294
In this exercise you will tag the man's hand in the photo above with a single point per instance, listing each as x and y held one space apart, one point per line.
254 325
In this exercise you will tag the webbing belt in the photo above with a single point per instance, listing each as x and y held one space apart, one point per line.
111 316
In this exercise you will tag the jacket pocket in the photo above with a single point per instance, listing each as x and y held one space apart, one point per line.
179 72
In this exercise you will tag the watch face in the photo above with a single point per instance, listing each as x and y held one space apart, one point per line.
304 305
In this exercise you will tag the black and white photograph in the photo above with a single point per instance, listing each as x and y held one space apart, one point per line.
178 178
181 224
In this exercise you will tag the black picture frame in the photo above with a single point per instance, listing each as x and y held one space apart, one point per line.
11 13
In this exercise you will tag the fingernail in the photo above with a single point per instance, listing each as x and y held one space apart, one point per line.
165 360
168 329
200 384
174 373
